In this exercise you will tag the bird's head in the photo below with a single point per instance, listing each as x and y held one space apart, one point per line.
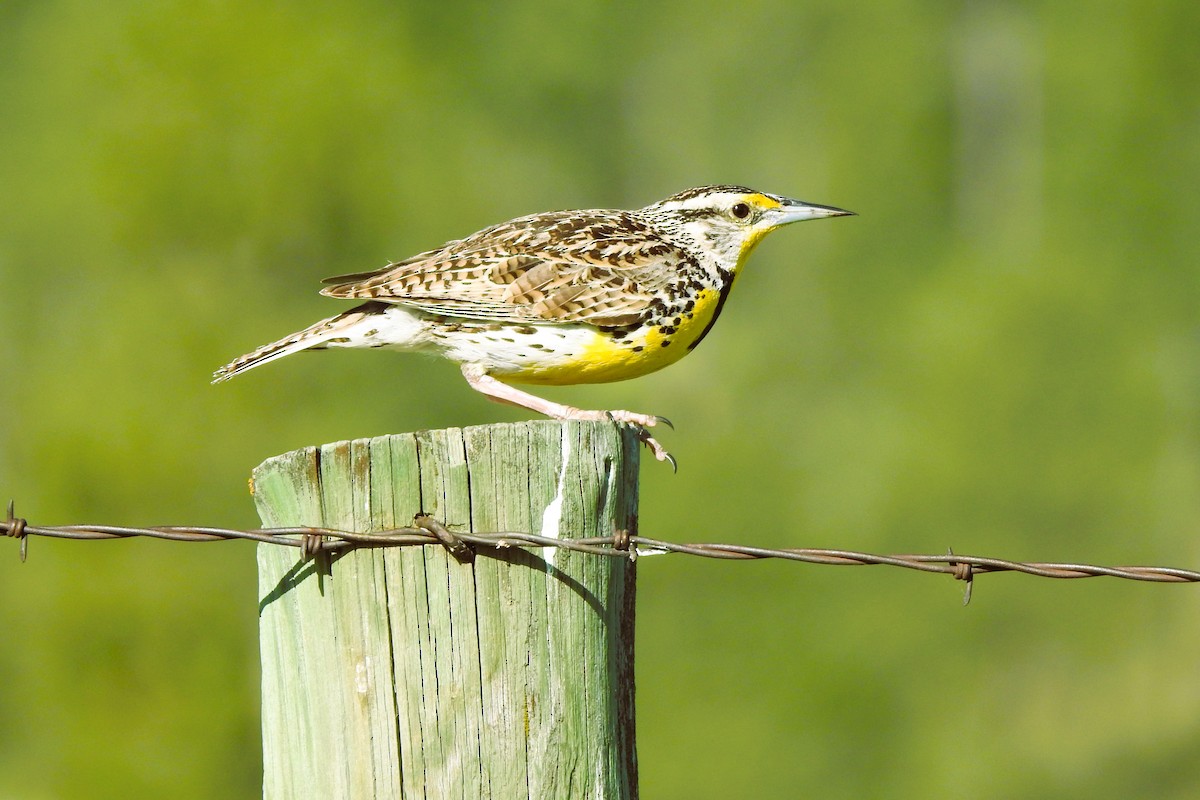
730 220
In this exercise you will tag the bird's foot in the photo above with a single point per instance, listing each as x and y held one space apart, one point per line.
640 424
659 451
631 417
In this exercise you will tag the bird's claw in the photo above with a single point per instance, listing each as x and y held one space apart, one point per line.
642 423
659 451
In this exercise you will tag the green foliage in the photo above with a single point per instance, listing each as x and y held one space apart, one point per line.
1002 354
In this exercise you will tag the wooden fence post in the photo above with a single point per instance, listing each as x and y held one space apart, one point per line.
403 673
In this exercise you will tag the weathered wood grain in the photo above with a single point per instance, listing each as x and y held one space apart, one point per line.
402 673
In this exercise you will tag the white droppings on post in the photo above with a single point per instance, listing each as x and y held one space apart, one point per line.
552 516
362 682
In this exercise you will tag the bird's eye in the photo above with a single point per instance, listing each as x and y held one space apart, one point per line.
740 210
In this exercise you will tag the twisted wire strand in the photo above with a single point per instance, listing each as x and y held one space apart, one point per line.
427 531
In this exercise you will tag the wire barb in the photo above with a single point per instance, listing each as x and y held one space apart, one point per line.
461 551
962 572
622 544
621 539
311 546
15 527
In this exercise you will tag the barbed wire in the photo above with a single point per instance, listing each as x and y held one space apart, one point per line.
427 531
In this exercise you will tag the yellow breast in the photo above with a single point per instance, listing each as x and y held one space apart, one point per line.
603 358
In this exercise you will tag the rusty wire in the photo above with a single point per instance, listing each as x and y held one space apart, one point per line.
623 544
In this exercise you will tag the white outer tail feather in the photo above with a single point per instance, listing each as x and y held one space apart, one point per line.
315 335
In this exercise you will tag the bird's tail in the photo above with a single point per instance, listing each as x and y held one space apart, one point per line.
339 329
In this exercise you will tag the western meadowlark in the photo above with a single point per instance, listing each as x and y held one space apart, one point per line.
559 298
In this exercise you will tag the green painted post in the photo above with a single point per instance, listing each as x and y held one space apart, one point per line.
403 673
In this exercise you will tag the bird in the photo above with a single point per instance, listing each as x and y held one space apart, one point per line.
559 298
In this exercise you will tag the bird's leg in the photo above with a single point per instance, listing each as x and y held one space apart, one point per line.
501 392
504 393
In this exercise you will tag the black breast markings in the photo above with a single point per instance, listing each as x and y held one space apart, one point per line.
726 286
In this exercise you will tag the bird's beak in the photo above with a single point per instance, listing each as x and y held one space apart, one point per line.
797 211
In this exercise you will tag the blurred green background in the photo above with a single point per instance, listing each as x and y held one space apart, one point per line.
1001 354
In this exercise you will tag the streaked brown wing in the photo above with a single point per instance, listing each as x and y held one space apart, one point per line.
600 267
358 277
